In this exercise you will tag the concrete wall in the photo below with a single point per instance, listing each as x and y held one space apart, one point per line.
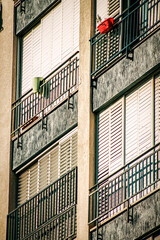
36 139
145 218
127 72
33 10
85 120
6 57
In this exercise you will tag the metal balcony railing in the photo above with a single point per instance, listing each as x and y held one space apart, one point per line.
58 85
126 186
52 212
130 28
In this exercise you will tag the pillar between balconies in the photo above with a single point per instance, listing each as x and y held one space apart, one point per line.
86 122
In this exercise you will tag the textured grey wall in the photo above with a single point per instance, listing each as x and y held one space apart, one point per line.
35 140
145 217
126 72
32 10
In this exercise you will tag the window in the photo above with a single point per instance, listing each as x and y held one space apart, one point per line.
128 128
57 162
51 42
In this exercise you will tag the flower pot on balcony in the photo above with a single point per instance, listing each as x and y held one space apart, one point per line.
106 25
36 81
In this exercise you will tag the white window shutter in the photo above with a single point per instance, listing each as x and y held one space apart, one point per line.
27 63
65 151
36 52
43 172
113 7
110 140
116 131
23 188
46 53
57 36
33 180
53 159
68 153
74 154
102 11
67 28
139 122
75 23
157 109
103 145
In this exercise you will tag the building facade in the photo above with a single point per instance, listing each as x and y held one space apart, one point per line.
80 147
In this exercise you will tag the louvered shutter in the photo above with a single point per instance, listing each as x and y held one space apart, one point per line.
102 10
103 145
157 109
23 188
67 28
33 180
46 170
57 36
27 63
116 132
47 51
109 153
36 52
74 150
65 150
53 158
43 172
139 121
110 140
68 154
113 8
76 12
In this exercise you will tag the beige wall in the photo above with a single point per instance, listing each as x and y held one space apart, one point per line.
86 123
6 50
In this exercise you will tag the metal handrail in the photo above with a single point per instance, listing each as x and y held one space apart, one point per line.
54 71
131 26
60 82
51 227
139 175
44 207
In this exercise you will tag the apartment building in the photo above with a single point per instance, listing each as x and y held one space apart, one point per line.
80 146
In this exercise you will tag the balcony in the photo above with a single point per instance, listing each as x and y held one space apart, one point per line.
58 86
125 187
130 29
51 214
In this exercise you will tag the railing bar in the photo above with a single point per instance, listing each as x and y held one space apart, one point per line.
132 14
125 166
100 216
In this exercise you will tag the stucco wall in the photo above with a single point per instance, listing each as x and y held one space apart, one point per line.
86 126
6 54
37 139
32 10
127 72
145 218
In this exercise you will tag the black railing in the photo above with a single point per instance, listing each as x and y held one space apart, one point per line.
52 211
142 18
127 185
56 87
